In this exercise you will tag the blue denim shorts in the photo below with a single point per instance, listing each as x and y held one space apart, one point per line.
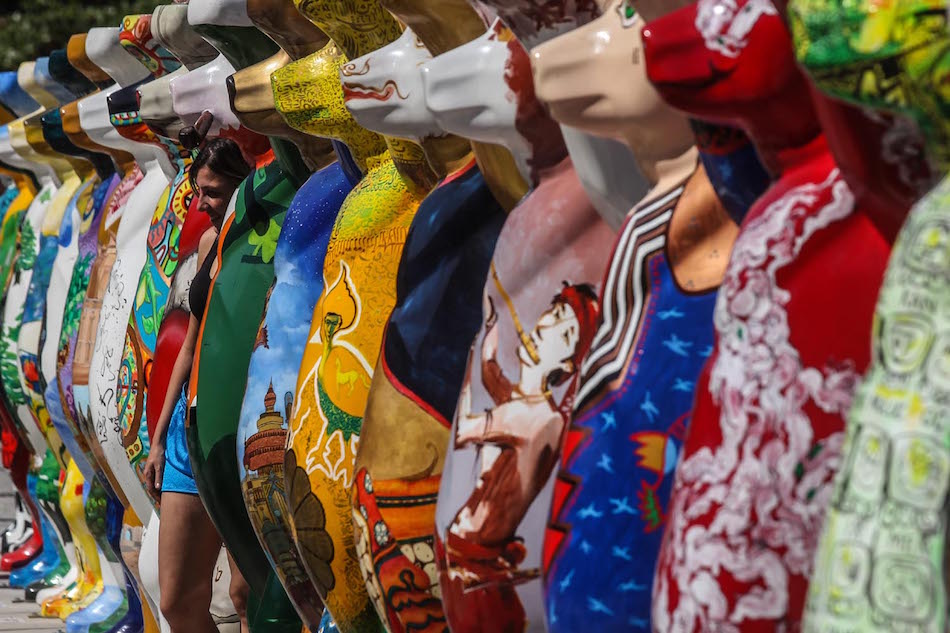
178 476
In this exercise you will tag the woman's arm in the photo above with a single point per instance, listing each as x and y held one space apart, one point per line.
180 373
155 464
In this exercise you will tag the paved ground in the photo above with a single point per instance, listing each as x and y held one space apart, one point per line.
20 617
17 616
7 504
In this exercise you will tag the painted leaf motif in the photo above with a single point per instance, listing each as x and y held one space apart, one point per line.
27 257
266 244
76 295
142 293
260 177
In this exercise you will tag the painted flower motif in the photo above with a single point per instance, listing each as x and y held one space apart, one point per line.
30 371
725 25
309 524
381 532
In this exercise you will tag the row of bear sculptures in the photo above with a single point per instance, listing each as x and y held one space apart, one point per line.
561 315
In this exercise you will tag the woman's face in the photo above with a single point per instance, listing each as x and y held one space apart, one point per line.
214 193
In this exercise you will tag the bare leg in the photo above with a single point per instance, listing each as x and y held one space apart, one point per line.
188 546
238 591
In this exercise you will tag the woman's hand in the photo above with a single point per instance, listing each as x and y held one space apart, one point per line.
155 469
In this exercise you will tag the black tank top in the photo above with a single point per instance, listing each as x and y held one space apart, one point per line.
198 293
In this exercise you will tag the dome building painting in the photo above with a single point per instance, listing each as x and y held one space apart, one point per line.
261 447
264 480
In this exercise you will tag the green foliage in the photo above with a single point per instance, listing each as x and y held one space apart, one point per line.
75 296
32 28
8 245
9 373
28 247
47 481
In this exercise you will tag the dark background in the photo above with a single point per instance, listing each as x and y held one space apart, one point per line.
32 28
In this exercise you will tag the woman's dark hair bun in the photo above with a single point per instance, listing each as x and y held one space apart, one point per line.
222 156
